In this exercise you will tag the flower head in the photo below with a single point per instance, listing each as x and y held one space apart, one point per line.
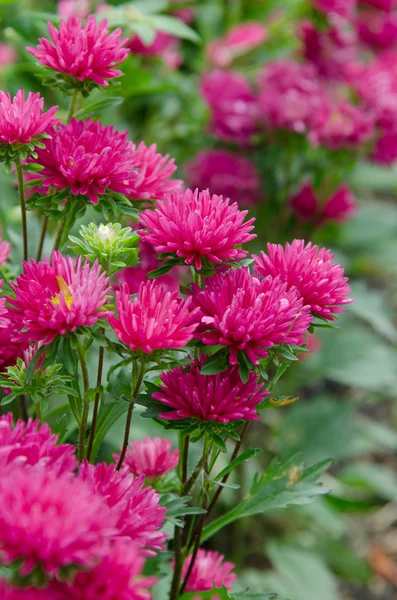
57 296
31 444
9 592
238 41
248 314
340 207
155 320
341 8
137 509
117 577
11 346
4 320
304 203
209 571
377 29
154 172
84 53
51 521
226 174
22 123
197 226
311 270
5 250
151 457
385 152
222 397
233 106
164 46
8 56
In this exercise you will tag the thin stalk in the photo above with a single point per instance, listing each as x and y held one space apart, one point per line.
185 459
86 405
38 411
23 208
23 412
226 477
43 233
129 413
190 483
72 106
59 234
178 567
101 356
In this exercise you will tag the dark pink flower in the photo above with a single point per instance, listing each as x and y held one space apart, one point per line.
222 397
197 226
57 296
226 174
9 592
155 320
4 319
234 109
210 570
248 314
340 207
8 56
5 250
50 520
117 577
31 444
343 125
304 203
377 29
66 8
136 508
164 45
152 178
11 346
290 95
84 52
151 457
385 5
386 148
311 270
342 8
21 121
238 41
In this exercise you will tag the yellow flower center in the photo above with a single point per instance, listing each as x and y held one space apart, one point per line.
63 289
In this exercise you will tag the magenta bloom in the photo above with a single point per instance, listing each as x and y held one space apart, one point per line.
309 268
66 8
343 125
386 148
9 592
31 444
4 320
234 109
51 521
304 203
8 56
385 5
117 577
197 226
11 346
238 41
57 296
155 320
136 508
249 314
164 46
209 571
342 8
222 397
84 52
151 457
226 174
290 95
152 179
377 29
340 207
5 250
21 121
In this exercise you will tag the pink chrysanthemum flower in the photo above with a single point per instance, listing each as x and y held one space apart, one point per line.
310 269
155 320
198 226
385 152
226 174
11 347
341 8
9 592
4 319
248 314
304 203
164 46
222 397
137 509
234 107
209 571
377 29
153 174
151 457
341 207
28 444
51 521
66 8
57 296
22 121
238 41
5 250
117 577
83 52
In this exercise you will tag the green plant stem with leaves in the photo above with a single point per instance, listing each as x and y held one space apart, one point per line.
86 403
72 106
44 227
21 193
101 356
133 398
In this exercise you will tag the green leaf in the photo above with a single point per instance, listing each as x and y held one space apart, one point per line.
243 457
32 365
174 27
370 306
98 106
282 485
32 167
216 363
162 270
108 414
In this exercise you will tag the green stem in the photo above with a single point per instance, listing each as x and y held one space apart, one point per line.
190 483
86 405
23 208
178 567
38 412
129 413
23 412
185 459
59 234
42 237
72 106
96 401
65 224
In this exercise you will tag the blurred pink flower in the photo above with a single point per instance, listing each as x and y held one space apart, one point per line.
311 270
57 296
341 8
197 227
238 41
164 45
136 508
226 174
84 52
210 570
234 109
222 397
151 457
343 125
11 346
5 250
31 444
21 121
340 207
249 314
4 320
313 345
304 203
385 5
80 8
377 29
155 320
9 592
51 520
385 152
8 55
